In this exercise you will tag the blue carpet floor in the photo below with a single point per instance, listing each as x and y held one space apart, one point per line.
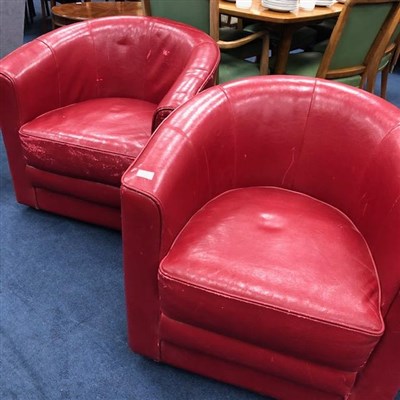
62 315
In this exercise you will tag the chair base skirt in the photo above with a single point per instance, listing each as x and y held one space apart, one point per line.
314 379
221 358
380 380
239 375
87 201
79 209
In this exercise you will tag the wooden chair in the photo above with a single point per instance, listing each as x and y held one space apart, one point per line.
389 60
30 11
204 15
356 46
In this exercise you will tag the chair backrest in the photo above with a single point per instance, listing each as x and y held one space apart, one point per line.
202 14
125 56
359 38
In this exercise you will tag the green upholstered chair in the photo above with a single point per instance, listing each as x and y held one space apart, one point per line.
235 46
356 46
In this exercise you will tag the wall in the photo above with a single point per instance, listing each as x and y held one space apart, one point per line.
12 13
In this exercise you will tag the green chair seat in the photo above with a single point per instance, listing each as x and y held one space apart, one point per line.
385 61
307 64
232 67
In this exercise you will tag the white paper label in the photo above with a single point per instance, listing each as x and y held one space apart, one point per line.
145 174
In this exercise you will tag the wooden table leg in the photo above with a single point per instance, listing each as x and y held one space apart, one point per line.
284 48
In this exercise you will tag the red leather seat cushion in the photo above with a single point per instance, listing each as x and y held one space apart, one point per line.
96 139
278 269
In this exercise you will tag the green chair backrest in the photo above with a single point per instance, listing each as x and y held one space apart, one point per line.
191 12
359 33
360 28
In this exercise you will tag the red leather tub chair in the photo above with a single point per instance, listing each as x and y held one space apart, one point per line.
78 104
261 234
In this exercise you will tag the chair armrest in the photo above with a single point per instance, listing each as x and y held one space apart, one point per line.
232 44
180 173
166 185
28 88
49 72
264 35
198 74
29 82
35 79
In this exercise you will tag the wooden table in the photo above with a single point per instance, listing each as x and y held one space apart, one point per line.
69 13
285 22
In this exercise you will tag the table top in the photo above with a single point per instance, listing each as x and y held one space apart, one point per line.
258 12
87 10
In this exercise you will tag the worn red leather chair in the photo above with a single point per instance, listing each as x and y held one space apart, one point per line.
78 104
261 234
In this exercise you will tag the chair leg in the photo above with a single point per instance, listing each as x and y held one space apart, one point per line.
264 62
43 5
384 81
45 12
395 57
369 80
28 16
31 8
